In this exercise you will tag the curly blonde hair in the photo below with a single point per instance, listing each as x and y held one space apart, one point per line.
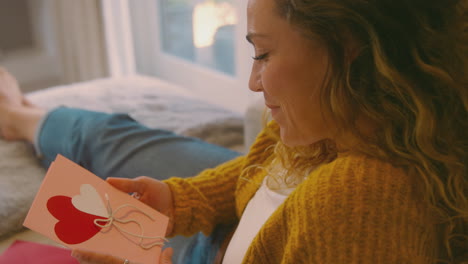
408 77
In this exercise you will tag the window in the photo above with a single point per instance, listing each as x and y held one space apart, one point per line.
197 44
200 31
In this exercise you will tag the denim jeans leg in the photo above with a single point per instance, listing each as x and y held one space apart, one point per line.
116 145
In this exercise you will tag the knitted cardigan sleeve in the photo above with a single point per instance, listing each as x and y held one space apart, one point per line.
206 200
352 210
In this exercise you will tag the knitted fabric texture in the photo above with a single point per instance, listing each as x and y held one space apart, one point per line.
355 209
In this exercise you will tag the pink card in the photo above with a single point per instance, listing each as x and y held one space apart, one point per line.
79 210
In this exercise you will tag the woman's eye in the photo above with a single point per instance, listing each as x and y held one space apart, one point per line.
260 57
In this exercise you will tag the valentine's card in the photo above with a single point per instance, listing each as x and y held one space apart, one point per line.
79 210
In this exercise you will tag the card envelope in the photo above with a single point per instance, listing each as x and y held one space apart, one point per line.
79 210
23 252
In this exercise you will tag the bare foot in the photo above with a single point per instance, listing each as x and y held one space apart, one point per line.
10 93
16 112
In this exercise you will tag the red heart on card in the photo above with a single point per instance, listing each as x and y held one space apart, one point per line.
74 226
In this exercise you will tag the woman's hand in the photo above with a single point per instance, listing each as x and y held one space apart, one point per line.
154 193
89 257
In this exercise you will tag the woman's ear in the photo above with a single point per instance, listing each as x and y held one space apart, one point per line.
351 54
353 46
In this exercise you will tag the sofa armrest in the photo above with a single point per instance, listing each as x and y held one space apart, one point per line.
253 122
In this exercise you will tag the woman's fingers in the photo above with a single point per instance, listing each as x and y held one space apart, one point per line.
89 257
154 193
126 185
166 256
139 187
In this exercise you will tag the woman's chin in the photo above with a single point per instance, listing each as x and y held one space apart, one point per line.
292 139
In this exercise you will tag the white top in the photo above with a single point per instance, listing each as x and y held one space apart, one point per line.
257 212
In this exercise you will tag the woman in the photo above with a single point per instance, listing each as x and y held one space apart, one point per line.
370 162
365 161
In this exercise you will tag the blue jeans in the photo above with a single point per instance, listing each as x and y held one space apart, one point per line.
116 145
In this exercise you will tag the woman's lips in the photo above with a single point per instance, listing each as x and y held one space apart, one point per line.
271 106
274 109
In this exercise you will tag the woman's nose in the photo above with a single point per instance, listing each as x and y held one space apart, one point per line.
255 82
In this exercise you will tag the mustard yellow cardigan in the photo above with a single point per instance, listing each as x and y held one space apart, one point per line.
356 209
